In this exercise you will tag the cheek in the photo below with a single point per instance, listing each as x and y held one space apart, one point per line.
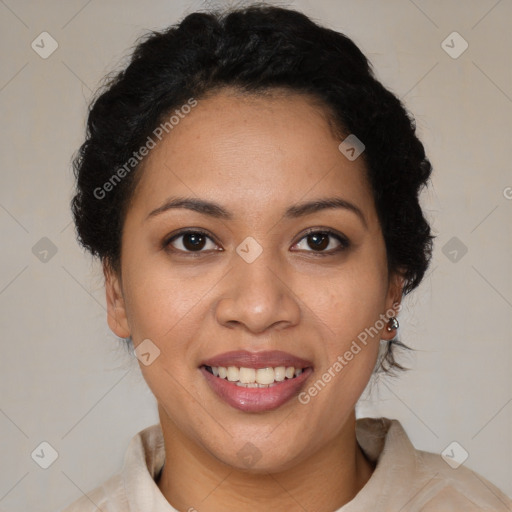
350 299
161 300
350 308
350 315
166 308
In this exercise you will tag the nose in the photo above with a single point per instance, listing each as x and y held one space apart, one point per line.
258 298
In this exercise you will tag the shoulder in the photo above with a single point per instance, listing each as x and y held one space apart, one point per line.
108 497
410 480
134 485
456 487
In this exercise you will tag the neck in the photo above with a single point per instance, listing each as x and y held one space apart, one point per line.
192 478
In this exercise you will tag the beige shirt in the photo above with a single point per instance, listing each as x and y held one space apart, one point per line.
404 480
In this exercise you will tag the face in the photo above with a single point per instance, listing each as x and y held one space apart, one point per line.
252 242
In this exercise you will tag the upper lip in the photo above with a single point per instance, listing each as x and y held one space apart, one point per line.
246 359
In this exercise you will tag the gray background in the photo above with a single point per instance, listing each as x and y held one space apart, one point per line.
65 378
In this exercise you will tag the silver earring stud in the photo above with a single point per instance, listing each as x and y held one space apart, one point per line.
392 324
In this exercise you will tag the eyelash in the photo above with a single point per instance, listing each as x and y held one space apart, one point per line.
344 243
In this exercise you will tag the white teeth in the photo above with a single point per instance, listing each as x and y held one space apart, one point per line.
233 373
247 375
265 375
256 378
279 373
255 385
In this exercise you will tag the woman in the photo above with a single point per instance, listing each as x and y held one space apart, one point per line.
252 192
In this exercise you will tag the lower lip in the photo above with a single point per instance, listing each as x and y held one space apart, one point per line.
256 399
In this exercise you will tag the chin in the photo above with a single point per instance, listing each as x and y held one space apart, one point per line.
261 453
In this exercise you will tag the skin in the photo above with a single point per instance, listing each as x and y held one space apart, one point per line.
255 156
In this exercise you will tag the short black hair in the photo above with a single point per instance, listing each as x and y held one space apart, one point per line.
253 50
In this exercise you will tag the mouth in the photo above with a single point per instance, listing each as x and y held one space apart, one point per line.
254 377
256 382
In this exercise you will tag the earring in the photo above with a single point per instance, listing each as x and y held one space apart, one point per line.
392 324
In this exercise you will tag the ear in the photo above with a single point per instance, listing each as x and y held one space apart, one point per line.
116 310
393 302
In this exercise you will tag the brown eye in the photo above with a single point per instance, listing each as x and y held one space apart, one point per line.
318 241
194 242
191 241
322 242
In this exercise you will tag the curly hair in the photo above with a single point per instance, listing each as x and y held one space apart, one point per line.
253 50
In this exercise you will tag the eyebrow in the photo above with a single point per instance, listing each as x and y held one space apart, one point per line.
196 205
330 203
299 210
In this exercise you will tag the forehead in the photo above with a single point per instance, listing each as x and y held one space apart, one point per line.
252 152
